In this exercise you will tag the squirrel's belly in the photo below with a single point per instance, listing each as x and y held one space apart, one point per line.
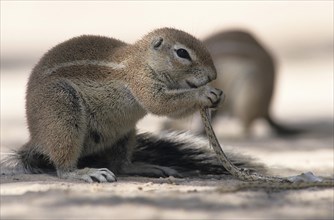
105 130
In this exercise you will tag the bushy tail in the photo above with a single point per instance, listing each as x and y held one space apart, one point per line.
21 161
188 154
11 163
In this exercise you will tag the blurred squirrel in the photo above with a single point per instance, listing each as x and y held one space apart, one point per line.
246 73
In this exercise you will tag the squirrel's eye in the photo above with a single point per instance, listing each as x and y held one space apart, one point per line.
183 54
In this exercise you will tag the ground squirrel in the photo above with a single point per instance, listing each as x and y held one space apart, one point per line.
86 95
246 72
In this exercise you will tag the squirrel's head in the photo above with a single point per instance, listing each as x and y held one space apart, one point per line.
178 59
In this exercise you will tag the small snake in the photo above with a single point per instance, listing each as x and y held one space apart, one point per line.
255 180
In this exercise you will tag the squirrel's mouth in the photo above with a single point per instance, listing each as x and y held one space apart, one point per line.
195 83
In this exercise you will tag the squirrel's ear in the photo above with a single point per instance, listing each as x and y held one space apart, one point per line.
157 42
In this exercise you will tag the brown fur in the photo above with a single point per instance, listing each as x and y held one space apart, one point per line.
86 95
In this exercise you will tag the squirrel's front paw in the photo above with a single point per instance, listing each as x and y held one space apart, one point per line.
210 97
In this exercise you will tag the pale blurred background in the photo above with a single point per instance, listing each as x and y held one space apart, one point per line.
299 33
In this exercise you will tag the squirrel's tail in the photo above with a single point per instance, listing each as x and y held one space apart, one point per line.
188 154
11 163
24 161
282 130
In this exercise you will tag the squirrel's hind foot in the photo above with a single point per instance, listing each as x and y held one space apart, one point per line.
101 175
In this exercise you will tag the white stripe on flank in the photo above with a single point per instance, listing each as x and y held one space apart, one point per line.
113 65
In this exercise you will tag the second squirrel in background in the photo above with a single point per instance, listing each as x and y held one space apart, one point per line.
246 72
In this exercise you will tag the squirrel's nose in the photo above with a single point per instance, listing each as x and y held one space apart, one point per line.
212 74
